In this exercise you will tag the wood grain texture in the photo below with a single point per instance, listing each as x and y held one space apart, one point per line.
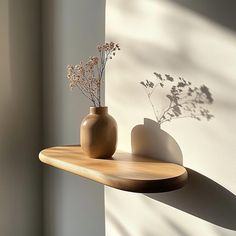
124 171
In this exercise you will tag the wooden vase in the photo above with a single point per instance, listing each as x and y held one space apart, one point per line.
98 133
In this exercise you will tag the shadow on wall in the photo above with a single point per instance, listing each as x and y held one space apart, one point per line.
214 10
114 221
149 140
201 196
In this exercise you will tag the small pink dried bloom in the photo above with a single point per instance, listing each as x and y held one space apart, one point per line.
88 77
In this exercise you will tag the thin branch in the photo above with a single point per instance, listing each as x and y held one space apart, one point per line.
152 104
163 114
153 107
180 117
90 98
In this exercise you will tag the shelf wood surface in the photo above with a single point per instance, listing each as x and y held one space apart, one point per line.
123 171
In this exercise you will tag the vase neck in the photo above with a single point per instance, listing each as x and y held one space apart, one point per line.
98 110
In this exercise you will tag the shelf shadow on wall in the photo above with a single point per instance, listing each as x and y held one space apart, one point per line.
201 196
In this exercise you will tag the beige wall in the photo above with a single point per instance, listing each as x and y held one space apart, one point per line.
20 118
71 30
198 42
177 37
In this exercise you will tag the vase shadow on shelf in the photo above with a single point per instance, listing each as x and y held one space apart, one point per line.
149 140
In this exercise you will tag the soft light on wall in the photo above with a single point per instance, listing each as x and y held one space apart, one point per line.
166 37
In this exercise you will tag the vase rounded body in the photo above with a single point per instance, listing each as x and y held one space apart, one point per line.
98 133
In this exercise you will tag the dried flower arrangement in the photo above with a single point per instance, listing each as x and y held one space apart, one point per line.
89 77
184 99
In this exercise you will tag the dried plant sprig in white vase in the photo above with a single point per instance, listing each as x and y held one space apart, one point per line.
89 77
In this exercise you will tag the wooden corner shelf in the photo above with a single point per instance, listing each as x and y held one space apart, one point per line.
123 171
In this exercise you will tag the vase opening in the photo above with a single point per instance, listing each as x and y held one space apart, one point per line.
98 110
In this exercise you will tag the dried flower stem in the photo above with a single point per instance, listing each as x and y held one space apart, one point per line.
89 77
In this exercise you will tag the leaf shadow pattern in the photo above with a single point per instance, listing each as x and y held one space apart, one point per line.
149 140
185 100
